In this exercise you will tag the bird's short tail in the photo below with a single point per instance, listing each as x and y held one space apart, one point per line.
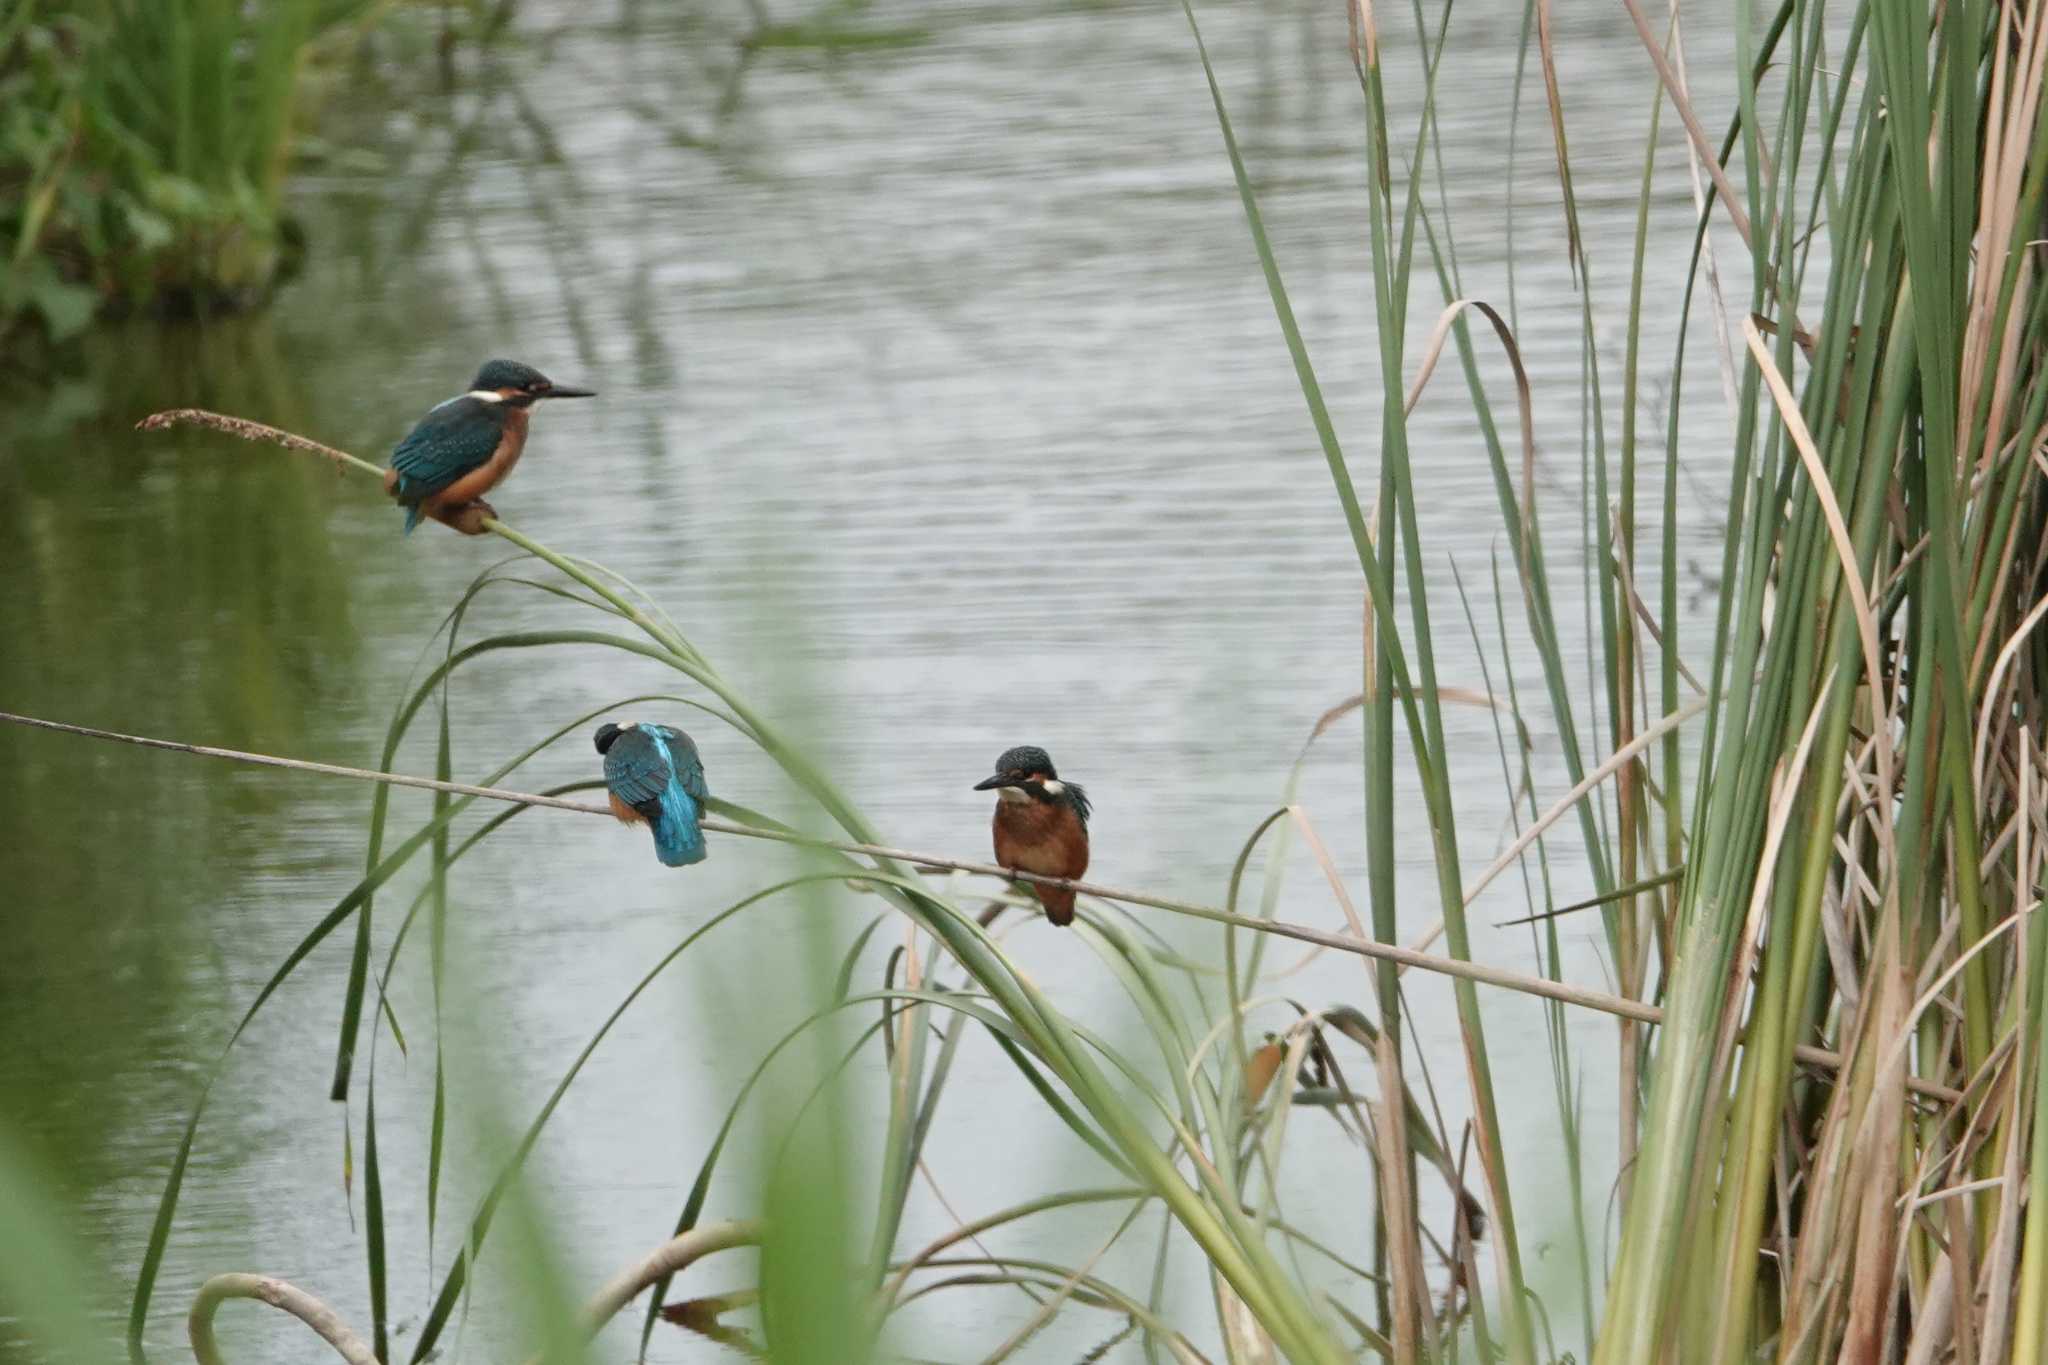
678 841
1058 903
412 516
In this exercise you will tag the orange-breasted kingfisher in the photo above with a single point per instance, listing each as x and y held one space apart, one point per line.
655 778
465 446
1041 824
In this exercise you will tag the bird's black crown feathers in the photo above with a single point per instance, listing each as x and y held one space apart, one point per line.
1026 758
507 374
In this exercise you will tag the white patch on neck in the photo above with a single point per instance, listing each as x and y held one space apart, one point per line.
485 395
1053 787
1012 794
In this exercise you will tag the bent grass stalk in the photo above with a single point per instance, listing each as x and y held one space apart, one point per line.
664 1262
279 1294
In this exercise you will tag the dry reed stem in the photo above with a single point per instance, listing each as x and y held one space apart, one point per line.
1724 355
252 431
1880 1133
1563 805
1624 566
1845 548
1321 853
1788 780
2007 145
1996 681
1730 201
2002 1256
1409 1293
1553 103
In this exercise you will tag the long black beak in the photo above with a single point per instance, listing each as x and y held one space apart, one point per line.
569 391
991 783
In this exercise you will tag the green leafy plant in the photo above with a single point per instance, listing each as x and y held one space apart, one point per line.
143 150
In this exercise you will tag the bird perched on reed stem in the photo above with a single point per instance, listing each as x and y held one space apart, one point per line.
655 778
465 446
1041 824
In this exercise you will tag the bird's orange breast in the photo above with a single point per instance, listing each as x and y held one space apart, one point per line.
488 475
1037 836
624 811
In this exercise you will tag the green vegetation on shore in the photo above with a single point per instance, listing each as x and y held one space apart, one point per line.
144 147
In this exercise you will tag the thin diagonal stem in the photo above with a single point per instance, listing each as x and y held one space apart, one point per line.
1350 943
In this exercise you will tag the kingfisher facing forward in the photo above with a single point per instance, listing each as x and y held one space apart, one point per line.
1041 824
462 448
656 779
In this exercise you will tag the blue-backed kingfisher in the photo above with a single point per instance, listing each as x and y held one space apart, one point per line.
462 448
655 778
1041 824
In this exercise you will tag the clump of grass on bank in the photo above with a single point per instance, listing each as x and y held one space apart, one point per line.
143 150
1862 848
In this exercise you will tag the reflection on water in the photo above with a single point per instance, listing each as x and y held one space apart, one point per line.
939 387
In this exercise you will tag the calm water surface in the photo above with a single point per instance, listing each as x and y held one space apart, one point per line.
944 407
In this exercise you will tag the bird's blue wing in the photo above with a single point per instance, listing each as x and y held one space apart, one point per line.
678 838
450 441
634 768
682 752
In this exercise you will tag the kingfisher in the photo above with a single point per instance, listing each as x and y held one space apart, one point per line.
463 447
1041 824
655 778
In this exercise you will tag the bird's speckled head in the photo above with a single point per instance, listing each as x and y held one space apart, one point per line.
511 382
607 733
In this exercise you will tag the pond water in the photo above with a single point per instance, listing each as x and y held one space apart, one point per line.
943 405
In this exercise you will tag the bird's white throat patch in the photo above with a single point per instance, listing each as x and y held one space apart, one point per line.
1012 794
